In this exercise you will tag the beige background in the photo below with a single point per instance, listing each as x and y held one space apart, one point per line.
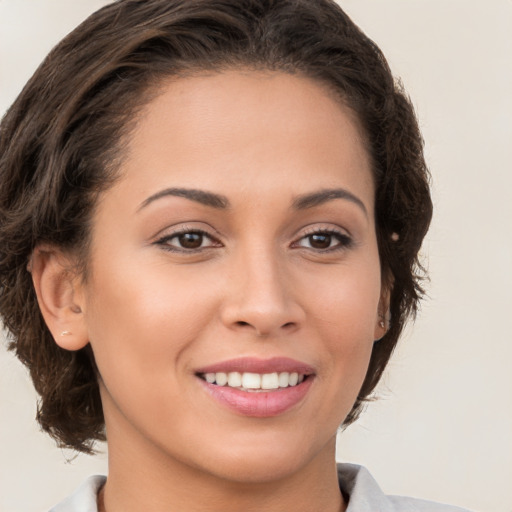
442 428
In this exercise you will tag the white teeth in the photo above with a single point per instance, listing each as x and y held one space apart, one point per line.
221 378
284 379
251 380
269 381
234 379
254 381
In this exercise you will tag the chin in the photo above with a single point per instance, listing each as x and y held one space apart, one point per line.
265 462
258 470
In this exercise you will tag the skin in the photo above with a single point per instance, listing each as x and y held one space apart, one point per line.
257 285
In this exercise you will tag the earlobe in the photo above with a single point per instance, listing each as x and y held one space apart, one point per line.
58 297
383 319
381 324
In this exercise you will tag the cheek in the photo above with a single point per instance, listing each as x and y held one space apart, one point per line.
141 318
344 311
346 301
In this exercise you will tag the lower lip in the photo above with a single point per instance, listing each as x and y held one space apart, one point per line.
259 404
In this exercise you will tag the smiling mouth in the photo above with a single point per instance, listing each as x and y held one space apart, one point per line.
254 382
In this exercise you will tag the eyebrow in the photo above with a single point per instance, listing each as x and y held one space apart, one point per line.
313 199
199 196
218 201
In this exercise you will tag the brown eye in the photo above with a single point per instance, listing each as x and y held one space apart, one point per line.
320 241
324 241
190 240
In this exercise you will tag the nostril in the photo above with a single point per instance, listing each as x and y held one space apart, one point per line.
288 325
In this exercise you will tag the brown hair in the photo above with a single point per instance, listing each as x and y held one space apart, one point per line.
61 141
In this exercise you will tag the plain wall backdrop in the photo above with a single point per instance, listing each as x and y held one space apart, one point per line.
442 428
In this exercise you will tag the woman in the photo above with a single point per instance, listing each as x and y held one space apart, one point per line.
210 220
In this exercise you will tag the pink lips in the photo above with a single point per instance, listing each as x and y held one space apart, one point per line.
262 403
251 364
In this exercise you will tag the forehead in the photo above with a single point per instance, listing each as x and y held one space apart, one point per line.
247 129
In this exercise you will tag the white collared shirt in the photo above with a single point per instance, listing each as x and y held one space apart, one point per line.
356 482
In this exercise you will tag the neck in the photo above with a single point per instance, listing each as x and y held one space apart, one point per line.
146 480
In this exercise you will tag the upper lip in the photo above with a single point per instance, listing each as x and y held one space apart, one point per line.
256 365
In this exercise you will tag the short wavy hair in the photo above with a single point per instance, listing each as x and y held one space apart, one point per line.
62 139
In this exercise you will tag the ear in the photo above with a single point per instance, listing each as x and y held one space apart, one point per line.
59 296
383 314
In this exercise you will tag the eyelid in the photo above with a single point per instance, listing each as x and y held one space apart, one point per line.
345 239
163 238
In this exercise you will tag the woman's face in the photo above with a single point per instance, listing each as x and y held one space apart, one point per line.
239 243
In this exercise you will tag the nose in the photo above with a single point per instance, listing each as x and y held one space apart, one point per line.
260 296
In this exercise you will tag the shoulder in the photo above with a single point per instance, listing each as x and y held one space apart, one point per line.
365 495
355 481
403 503
84 499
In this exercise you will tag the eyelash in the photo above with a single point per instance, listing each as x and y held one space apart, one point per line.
164 242
344 241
